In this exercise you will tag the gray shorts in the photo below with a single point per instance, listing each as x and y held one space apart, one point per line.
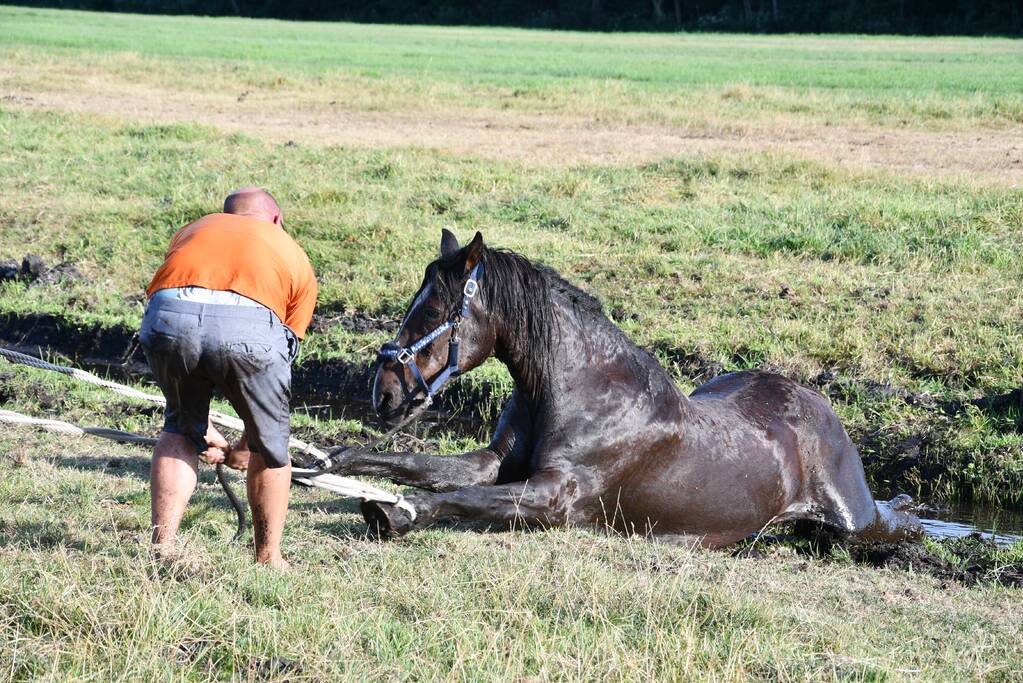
245 352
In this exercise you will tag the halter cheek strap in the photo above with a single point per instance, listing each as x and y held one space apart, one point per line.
406 355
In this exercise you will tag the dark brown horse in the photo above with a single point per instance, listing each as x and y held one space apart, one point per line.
596 432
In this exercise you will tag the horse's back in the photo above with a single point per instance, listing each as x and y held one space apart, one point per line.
819 452
758 392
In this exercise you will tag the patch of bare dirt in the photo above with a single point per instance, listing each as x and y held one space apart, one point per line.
987 156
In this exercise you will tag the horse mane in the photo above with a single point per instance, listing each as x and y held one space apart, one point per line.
519 293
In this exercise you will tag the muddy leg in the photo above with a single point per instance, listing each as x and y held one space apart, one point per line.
544 499
430 472
891 524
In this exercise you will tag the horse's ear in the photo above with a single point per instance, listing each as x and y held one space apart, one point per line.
474 251
448 243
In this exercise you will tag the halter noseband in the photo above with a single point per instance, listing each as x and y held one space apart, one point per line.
406 355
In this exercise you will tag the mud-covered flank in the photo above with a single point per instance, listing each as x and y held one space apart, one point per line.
920 457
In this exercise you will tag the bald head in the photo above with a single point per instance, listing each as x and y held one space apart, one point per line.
255 202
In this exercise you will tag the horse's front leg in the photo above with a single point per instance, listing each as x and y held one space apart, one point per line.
545 499
431 472
509 445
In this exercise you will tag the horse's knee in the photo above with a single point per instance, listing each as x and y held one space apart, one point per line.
553 496
487 465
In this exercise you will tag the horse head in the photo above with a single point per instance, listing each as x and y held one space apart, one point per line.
445 331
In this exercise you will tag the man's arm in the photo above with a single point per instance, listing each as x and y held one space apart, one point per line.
303 300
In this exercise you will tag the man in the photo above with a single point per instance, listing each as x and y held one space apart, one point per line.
226 310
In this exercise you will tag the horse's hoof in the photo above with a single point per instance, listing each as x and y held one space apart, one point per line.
901 502
385 521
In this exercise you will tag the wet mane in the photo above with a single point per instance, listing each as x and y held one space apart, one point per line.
520 295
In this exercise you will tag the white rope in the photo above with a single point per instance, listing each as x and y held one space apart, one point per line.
12 417
351 488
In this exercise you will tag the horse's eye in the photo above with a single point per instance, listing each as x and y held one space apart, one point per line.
433 314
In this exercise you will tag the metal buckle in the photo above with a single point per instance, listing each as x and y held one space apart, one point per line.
470 288
405 356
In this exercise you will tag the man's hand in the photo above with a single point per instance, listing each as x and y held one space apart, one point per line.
216 447
218 450
238 456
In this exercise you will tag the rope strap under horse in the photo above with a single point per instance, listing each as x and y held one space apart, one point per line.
344 486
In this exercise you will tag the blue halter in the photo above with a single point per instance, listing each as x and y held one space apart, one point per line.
406 355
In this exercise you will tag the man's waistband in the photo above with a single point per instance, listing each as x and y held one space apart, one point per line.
201 295
250 313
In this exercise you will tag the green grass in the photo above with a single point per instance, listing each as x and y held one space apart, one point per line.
720 80
81 599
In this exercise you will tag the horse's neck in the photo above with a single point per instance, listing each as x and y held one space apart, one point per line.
590 353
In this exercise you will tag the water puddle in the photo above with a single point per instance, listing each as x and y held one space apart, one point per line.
956 520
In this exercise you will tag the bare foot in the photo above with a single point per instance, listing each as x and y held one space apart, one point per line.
278 563
165 552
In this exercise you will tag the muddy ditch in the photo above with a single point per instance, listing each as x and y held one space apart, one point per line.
969 560
337 387
333 388
973 560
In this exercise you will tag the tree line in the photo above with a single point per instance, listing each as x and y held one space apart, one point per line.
921 17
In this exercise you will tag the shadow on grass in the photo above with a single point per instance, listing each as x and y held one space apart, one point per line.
998 407
339 523
209 496
115 466
39 536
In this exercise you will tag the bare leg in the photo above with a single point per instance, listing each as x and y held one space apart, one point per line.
431 472
544 499
173 474
268 490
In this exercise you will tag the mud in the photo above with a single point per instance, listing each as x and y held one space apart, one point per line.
688 364
973 560
9 391
968 560
327 318
33 270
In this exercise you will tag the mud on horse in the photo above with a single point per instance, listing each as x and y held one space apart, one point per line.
596 432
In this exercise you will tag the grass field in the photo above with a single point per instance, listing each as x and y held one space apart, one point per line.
845 210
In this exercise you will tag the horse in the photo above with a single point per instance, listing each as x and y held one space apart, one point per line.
595 431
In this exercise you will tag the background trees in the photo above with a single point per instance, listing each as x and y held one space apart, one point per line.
973 17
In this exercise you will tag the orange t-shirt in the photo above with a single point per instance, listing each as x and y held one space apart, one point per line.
249 256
